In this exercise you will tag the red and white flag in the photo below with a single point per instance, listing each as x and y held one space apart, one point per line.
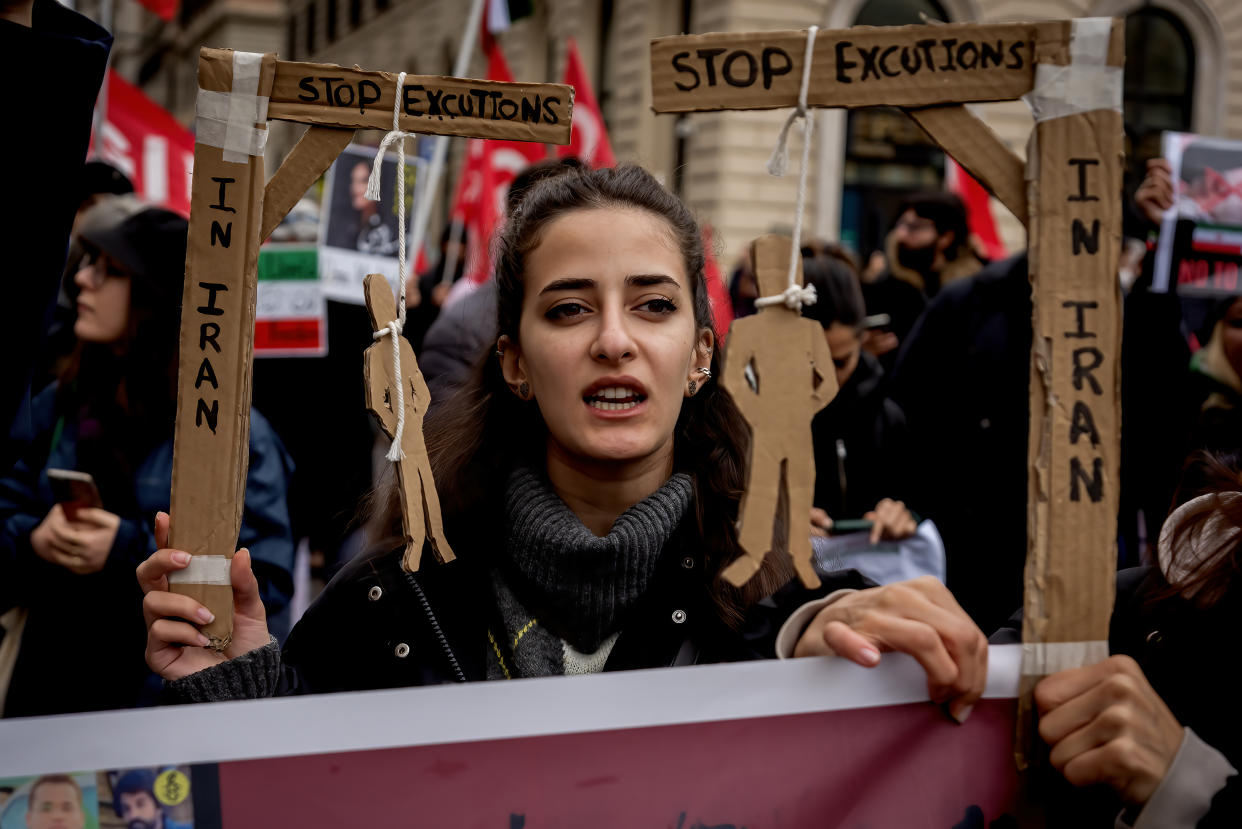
589 139
978 204
490 167
142 140
165 10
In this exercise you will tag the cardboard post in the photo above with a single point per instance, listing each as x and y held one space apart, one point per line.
1070 73
1075 167
229 215
420 505
791 377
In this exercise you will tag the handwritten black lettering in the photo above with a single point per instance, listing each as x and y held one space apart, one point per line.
1083 369
409 99
338 96
223 182
1080 313
770 69
207 333
1082 164
911 60
1015 54
989 54
1083 238
310 94
973 60
870 58
212 289
508 109
752 68
223 235
206 373
209 414
926 45
884 67
530 110
549 114
948 43
843 65
679 64
1094 484
1083 423
363 98
709 62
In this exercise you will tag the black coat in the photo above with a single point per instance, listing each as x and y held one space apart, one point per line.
376 626
862 451
962 380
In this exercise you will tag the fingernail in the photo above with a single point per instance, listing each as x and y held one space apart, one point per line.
869 655
181 558
962 715
203 641
206 615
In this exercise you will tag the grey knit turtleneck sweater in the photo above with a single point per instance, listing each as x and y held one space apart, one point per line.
580 584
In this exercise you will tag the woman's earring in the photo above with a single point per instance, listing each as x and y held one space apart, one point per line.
693 387
706 372
524 390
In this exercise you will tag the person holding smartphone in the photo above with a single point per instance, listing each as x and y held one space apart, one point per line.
69 558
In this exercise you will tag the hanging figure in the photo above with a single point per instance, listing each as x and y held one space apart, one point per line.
420 506
770 358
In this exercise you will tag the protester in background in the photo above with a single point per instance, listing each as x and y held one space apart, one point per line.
589 475
111 415
463 333
432 287
69 53
743 287
962 381
928 248
860 438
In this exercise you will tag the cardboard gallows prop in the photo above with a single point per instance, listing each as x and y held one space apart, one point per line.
386 394
778 369
232 211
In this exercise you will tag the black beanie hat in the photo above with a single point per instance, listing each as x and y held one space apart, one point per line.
150 244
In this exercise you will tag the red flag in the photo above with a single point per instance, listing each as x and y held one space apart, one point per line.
489 169
589 139
166 10
143 141
717 291
978 209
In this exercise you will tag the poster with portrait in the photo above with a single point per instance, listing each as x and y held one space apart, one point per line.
358 236
65 801
1199 250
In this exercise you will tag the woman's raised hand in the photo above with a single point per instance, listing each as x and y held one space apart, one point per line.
919 617
175 647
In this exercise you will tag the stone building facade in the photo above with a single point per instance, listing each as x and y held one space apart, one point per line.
1185 72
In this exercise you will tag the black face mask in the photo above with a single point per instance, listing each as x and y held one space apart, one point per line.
138 823
916 259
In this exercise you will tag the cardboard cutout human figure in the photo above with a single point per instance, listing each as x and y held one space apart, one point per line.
778 369
420 505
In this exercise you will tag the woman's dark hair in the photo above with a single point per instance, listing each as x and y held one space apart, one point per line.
838 295
1212 573
124 396
484 431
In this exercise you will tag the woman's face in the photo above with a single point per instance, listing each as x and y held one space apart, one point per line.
1231 335
845 346
607 338
103 300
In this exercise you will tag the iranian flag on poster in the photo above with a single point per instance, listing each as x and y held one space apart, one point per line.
291 314
142 140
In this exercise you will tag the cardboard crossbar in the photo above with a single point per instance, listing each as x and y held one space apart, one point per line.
231 212
1068 193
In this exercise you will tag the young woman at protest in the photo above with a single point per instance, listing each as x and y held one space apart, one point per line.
589 476
70 565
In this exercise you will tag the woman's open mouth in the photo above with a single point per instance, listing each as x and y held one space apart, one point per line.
614 398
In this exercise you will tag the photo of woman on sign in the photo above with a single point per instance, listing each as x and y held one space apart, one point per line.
589 476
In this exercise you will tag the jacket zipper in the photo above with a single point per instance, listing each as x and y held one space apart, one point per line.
435 627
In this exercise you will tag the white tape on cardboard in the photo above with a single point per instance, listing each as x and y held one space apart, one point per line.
203 570
1088 83
227 119
1044 658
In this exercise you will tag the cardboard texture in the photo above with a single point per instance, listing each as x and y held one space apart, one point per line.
420 505
789 360
1075 169
211 447
314 93
863 66
980 152
315 151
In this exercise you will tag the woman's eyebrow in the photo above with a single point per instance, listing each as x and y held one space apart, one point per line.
646 280
568 284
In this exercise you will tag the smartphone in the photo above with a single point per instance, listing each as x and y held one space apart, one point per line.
73 490
850 525
876 321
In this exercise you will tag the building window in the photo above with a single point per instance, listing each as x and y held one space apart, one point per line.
380 5
887 155
355 13
1159 85
291 39
330 18
310 29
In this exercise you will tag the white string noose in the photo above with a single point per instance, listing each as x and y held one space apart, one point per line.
795 296
393 328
